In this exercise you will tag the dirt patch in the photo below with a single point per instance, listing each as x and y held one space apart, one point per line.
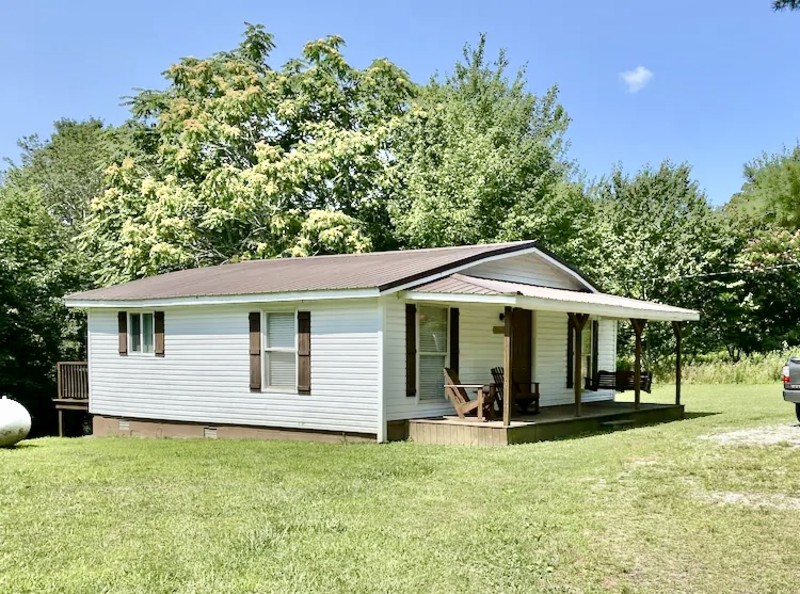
751 500
788 435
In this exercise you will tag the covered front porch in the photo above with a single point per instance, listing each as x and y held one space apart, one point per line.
567 360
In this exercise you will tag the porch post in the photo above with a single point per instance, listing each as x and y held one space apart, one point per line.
638 328
507 379
678 329
578 321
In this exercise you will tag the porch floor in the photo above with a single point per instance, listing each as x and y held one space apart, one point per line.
552 422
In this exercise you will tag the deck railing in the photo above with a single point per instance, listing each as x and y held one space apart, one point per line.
73 380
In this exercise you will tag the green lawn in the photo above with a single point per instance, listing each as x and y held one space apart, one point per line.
652 509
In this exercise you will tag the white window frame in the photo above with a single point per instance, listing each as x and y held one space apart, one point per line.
420 399
141 352
266 349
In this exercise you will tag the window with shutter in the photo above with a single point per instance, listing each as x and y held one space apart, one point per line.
141 332
280 351
433 351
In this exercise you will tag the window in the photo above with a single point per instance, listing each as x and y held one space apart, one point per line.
280 351
141 332
433 351
586 349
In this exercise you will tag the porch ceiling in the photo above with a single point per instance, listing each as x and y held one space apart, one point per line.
462 288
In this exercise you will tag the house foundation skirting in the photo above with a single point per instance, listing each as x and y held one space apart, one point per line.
105 426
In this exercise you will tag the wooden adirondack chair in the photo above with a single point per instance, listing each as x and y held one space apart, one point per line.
456 392
523 395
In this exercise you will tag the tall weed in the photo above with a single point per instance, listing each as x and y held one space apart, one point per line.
718 368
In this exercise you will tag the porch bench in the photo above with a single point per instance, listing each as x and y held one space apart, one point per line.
619 381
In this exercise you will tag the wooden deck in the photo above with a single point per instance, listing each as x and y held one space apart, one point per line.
73 389
552 423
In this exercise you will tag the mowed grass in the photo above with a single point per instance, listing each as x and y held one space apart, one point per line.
641 510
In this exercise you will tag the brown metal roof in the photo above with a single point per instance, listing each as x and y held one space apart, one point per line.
381 270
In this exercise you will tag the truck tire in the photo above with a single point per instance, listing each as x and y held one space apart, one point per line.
797 411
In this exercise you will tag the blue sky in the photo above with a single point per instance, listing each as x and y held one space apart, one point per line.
717 79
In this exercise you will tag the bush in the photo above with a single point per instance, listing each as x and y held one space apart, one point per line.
718 368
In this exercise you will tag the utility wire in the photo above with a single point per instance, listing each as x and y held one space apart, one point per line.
728 272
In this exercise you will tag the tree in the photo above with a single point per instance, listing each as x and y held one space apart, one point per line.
650 230
769 282
771 192
786 5
35 272
479 158
67 169
654 236
246 161
764 221
44 198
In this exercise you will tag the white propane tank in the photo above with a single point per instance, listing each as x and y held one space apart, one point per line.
15 422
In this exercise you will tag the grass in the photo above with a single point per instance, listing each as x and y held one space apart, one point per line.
630 511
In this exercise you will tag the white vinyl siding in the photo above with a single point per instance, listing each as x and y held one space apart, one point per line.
530 269
550 346
205 374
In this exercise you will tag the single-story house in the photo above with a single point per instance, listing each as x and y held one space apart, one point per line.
349 345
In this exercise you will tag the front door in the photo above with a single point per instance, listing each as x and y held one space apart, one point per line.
522 346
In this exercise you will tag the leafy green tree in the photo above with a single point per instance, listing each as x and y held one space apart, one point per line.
246 161
651 230
35 272
44 198
479 158
786 5
768 285
654 236
68 168
770 195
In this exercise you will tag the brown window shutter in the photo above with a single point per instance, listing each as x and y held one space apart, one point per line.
255 351
411 349
595 346
570 352
304 352
122 331
454 330
158 323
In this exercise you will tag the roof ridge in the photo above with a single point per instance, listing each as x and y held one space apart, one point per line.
498 245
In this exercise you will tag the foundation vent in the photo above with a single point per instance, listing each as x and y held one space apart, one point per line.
124 425
210 432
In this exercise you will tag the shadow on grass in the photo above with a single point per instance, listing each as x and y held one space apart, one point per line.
699 415
22 445
632 426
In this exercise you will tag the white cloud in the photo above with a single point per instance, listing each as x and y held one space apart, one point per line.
637 78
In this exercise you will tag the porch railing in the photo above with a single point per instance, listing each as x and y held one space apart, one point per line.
73 380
